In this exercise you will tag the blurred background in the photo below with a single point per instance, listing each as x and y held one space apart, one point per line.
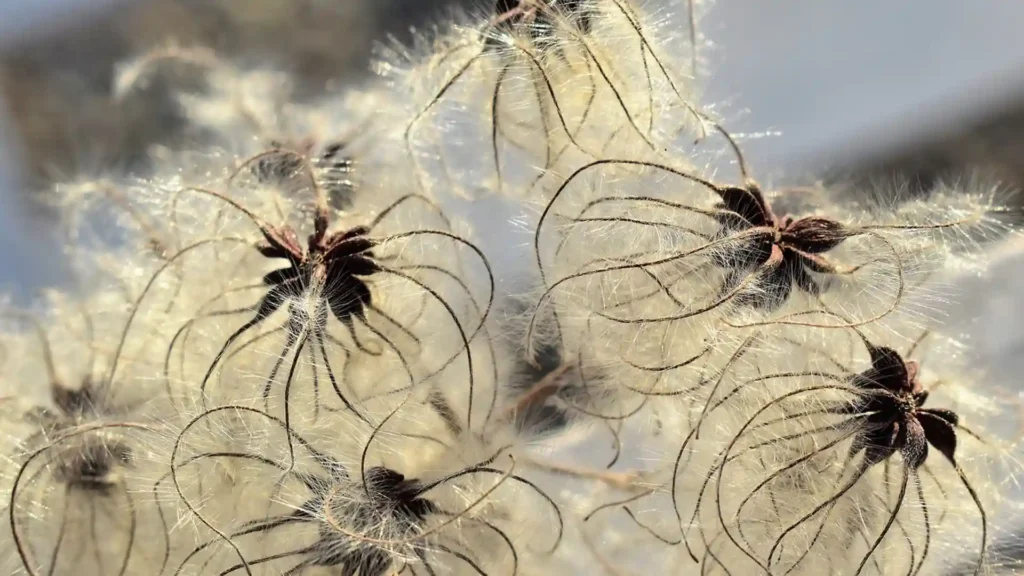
868 91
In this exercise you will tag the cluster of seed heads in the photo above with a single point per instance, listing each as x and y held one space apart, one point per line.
288 355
